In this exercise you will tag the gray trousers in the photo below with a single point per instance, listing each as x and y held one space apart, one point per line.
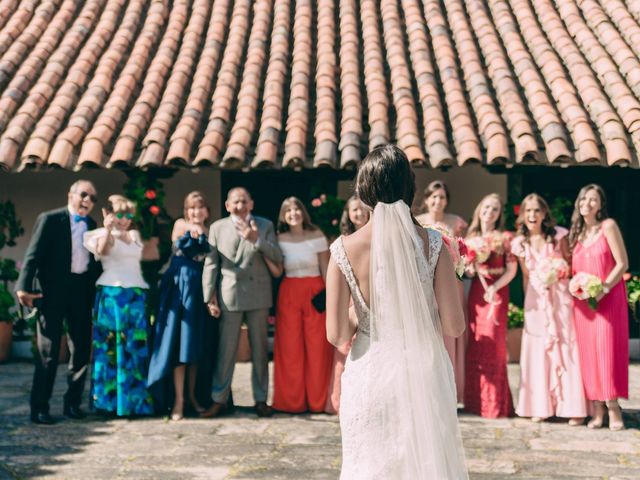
229 334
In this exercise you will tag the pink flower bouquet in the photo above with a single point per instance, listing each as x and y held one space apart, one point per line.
585 286
550 270
478 249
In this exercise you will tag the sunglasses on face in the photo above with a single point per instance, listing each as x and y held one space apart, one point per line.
121 215
84 195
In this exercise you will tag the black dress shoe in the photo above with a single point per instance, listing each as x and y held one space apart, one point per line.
74 413
263 410
42 419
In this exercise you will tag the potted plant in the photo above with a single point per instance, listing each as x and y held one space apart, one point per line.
154 223
10 230
514 333
632 282
7 306
325 211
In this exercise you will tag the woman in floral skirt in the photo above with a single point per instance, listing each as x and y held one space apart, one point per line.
120 350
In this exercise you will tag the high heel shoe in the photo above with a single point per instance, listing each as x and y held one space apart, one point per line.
598 417
537 419
614 407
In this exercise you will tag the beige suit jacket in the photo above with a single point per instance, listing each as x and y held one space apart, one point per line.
235 268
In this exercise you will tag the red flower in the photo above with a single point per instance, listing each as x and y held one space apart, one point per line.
626 277
334 222
316 202
154 210
462 247
150 195
471 256
516 209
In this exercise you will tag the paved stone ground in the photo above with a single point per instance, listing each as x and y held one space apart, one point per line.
285 447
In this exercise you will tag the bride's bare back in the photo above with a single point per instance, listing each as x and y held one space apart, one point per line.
341 326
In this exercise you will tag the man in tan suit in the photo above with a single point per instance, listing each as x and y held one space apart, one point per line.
237 288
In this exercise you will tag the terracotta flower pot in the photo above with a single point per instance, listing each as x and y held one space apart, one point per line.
150 249
244 349
6 332
514 344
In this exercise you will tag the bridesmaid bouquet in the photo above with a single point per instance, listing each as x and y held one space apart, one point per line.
456 247
478 250
550 271
585 286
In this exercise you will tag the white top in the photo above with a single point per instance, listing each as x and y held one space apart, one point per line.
301 258
121 267
79 254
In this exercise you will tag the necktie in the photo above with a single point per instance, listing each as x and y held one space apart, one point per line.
79 218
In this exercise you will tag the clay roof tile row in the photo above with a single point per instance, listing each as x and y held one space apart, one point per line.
299 83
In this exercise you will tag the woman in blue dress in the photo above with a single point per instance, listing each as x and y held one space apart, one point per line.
181 326
120 350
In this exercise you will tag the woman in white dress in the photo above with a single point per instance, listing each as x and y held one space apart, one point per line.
398 407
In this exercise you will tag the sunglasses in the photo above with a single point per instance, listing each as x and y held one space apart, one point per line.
121 215
84 195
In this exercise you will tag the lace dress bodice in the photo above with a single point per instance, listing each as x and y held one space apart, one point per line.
426 269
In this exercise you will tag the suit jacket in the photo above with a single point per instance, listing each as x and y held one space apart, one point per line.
48 256
235 268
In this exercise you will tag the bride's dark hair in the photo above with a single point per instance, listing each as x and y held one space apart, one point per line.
385 175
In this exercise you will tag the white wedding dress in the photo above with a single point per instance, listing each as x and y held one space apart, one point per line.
398 402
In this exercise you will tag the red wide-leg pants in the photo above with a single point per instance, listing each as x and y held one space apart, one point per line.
302 354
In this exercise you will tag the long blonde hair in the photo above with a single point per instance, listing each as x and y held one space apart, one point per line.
475 229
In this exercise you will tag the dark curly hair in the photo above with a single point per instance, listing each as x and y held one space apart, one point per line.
548 222
385 175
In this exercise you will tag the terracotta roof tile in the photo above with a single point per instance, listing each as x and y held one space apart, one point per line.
225 95
589 88
110 82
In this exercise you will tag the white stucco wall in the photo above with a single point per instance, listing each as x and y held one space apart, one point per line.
467 186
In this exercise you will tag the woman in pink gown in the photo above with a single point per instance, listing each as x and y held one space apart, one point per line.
355 216
435 201
602 334
550 378
487 390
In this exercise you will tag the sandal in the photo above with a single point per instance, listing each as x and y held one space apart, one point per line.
597 420
614 407
576 422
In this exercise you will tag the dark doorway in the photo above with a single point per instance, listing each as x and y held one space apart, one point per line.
270 187
622 186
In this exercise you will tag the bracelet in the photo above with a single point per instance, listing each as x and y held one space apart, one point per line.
605 289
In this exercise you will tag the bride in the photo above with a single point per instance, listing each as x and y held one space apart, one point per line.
398 405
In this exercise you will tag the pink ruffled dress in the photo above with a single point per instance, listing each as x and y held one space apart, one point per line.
550 376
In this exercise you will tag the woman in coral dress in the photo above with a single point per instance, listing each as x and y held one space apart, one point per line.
550 378
435 202
487 390
355 216
602 334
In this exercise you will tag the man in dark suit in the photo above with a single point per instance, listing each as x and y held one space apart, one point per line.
67 273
